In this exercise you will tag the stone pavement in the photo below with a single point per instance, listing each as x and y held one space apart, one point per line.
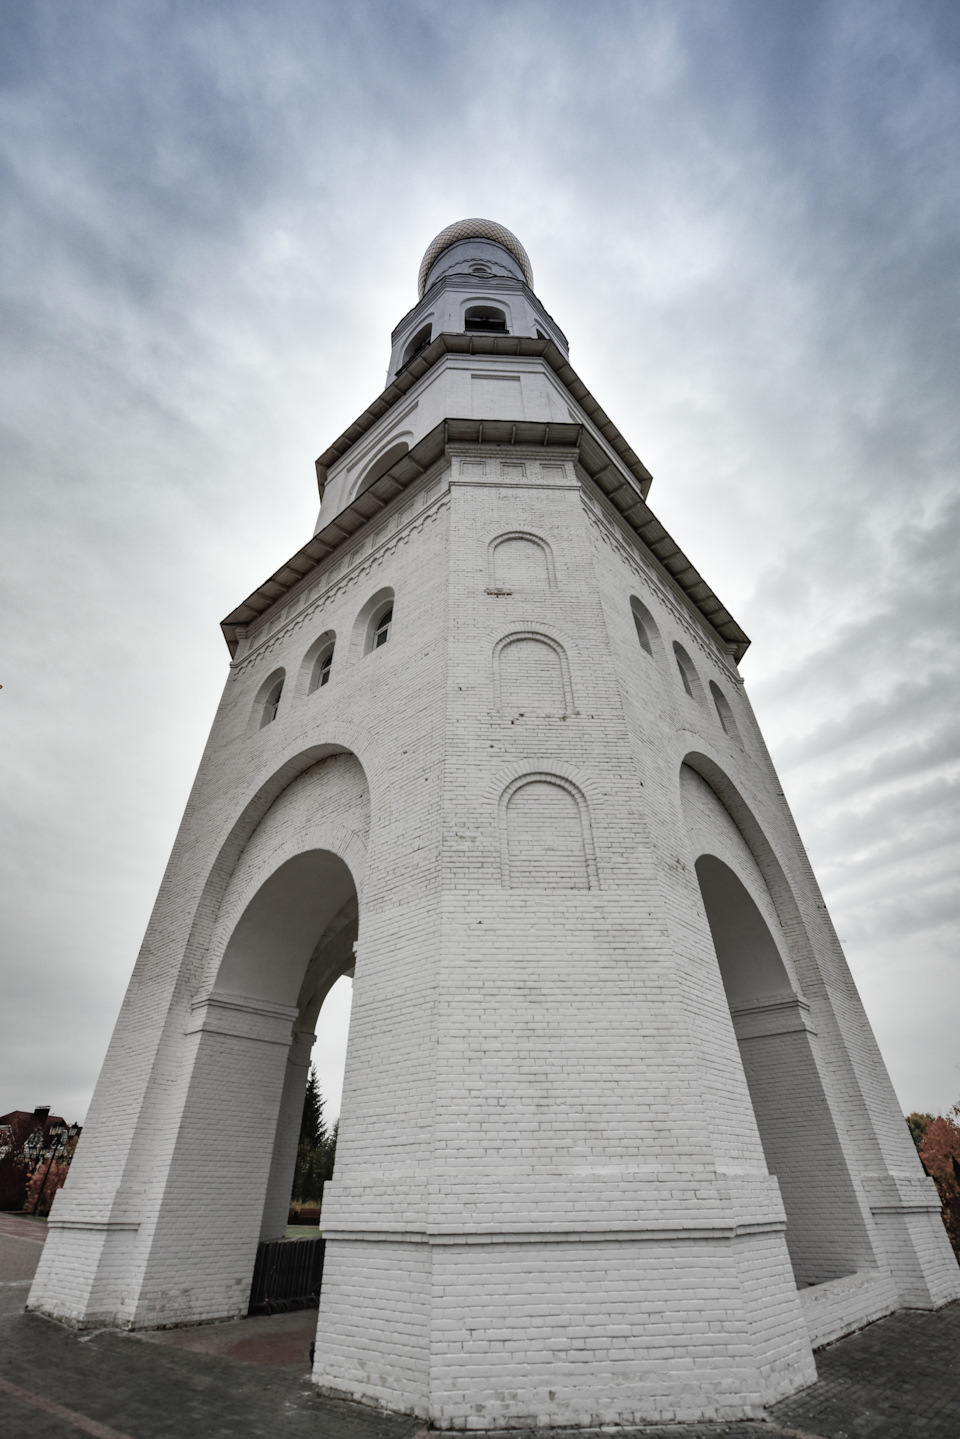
21 1241
898 1379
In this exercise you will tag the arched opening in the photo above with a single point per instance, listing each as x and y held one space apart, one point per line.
725 713
643 623
231 1177
688 674
826 1237
380 629
486 319
374 624
322 667
419 342
267 701
380 467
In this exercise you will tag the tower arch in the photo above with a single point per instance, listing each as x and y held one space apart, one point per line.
826 1233
285 925
326 808
479 316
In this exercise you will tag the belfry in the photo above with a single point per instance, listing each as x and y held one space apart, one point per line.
617 1143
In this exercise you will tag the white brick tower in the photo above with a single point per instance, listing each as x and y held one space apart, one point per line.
617 1143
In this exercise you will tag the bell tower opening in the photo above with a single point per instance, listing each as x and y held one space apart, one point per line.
485 319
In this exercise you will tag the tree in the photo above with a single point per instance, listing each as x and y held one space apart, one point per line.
15 1164
316 1149
313 1131
940 1152
917 1125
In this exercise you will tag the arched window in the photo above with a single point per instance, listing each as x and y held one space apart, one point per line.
374 624
485 318
381 631
725 713
643 621
688 675
322 667
317 662
419 342
271 703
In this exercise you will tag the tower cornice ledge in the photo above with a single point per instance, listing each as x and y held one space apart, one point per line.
555 435
481 344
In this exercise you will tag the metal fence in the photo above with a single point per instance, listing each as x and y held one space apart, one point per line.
287 1275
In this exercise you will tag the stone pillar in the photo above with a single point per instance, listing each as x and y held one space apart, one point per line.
283 1163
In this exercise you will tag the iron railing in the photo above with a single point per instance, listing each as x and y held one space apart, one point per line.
287 1275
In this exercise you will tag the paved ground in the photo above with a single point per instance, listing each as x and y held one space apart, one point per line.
898 1379
21 1241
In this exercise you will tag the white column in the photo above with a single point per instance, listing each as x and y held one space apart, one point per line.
280 1183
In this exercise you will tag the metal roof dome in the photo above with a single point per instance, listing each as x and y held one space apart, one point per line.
473 230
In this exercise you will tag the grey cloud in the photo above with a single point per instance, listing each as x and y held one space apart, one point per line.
894 711
905 761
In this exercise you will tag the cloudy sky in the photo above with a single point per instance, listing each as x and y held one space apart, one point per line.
745 217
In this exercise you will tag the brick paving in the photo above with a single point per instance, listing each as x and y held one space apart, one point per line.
897 1379
21 1241
138 1390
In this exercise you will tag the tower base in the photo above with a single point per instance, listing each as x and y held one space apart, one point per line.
496 1331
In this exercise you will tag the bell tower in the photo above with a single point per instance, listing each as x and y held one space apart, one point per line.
617 1145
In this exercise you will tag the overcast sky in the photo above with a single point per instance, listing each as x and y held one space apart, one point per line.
745 217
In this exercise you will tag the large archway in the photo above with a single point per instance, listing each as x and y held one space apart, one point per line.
826 1233
292 943
283 934
231 1174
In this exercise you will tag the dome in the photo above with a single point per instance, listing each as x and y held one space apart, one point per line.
473 230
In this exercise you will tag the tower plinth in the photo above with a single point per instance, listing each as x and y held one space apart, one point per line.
617 1145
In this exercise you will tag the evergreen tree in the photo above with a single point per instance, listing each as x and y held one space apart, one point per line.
316 1148
313 1131
331 1150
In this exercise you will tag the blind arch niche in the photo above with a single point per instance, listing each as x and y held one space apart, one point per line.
545 835
521 561
531 675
